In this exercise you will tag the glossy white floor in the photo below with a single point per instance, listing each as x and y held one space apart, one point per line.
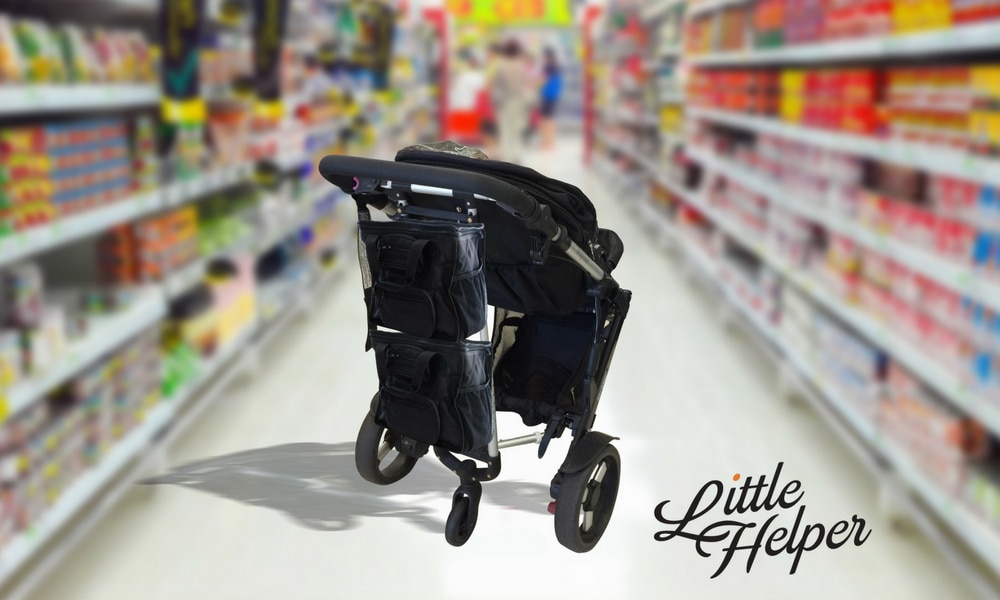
279 512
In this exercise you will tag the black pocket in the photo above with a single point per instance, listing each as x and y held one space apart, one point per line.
437 393
412 415
405 309
468 300
475 406
426 277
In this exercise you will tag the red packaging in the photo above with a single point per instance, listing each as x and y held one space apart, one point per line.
954 240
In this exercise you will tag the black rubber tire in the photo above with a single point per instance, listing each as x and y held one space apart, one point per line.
462 519
370 439
577 488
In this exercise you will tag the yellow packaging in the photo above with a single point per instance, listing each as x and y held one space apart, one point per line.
793 80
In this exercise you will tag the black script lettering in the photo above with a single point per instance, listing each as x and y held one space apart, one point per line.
792 487
755 504
778 535
819 531
838 528
755 495
795 529
769 502
728 507
753 548
858 540
691 515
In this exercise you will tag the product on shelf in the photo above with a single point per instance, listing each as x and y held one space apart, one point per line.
33 51
145 162
226 221
856 368
229 128
54 171
151 249
936 436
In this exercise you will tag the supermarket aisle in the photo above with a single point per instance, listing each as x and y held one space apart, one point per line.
275 510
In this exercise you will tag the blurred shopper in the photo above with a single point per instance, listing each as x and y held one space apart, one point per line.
510 91
317 82
484 105
551 90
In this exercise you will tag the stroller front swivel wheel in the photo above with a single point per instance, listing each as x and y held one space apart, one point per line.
464 513
376 457
586 501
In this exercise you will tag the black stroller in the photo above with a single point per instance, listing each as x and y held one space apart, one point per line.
464 232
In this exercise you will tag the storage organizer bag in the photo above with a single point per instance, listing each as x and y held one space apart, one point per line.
426 278
437 393
540 362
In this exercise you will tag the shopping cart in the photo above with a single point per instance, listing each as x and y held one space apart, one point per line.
463 233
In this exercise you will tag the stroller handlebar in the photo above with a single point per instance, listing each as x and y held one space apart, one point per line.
339 170
335 168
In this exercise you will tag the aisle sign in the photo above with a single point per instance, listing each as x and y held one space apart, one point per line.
268 36
511 12
180 30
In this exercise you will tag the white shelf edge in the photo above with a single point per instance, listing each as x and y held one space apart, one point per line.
922 156
964 38
185 278
658 9
953 513
961 279
44 98
63 231
146 309
184 192
707 6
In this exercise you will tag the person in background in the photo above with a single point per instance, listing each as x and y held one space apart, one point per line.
510 92
484 105
317 82
551 90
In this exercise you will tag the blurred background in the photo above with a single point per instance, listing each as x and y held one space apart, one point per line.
178 283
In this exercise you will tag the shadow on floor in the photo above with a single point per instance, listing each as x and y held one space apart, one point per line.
318 486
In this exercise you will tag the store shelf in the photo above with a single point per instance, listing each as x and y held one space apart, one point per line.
933 159
899 348
45 98
105 333
962 279
959 519
658 8
69 229
957 40
707 6
676 97
630 118
182 192
19 551
184 279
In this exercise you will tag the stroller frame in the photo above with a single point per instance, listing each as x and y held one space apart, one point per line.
586 484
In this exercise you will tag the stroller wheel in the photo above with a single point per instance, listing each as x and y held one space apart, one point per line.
586 501
376 457
464 513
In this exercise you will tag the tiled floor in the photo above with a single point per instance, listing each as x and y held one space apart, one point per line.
275 508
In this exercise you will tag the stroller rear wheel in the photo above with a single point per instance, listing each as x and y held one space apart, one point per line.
586 501
376 457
